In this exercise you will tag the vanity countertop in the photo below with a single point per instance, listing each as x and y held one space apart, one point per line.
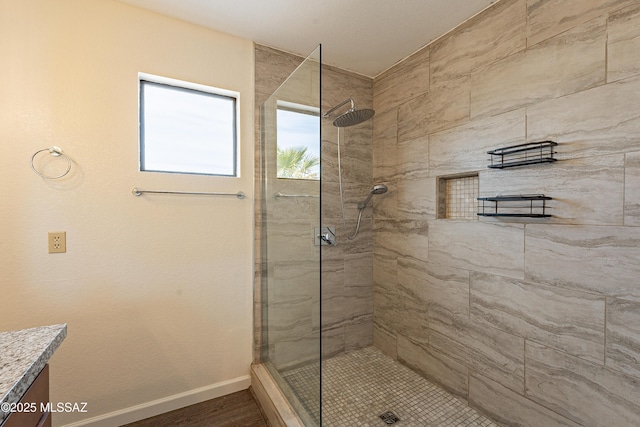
23 354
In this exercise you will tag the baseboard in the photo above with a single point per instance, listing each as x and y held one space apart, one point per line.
166 404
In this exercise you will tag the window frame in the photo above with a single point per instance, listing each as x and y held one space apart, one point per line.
188 87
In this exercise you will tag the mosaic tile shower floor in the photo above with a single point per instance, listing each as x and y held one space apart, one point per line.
362 385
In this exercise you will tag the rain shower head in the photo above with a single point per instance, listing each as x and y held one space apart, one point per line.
376 189
352 117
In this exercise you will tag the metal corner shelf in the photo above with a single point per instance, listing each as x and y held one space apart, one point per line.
534 206
522 154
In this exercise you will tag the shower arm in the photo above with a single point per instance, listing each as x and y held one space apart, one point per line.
353 105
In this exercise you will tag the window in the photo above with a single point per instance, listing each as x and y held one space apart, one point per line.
187 128
298 138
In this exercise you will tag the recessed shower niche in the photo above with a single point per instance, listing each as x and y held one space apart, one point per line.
457 196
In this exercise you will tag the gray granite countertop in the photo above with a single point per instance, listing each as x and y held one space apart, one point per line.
23 355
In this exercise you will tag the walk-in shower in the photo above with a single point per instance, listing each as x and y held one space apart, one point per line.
330 364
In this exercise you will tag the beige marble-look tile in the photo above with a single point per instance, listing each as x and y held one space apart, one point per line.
412 156
510 408
332 273
434 365
585 191
358 269
352 194
445 289
332 340
347 307
358 334
291 352
547 18
289 240
569 320
584 392
489 248
413 302
402 82
385 341
598 121
416 196
483 349
632 189
464 148
408 238
623 43
413 120
449 104
385 271
623 340
495 34
294 280
274 66
385 308
339 85
601 260
362 242
564 64
385 136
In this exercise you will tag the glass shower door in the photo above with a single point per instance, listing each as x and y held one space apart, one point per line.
290 255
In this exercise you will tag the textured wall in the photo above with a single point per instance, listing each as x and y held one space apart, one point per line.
347 293
535 321
156 290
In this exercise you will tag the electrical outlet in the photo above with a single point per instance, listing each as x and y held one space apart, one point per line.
57 242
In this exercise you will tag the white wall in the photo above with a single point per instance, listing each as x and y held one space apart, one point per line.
156 290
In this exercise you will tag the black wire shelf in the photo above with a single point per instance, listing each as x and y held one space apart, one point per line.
522 154
514 206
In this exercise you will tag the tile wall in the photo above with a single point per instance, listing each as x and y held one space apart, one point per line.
536 322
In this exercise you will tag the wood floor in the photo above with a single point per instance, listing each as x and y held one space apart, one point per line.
233 410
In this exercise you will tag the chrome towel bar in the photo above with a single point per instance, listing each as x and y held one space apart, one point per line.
279 194
138 192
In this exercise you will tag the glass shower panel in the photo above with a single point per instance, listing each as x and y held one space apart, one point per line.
290 214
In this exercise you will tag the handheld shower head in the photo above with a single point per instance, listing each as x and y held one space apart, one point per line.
376 189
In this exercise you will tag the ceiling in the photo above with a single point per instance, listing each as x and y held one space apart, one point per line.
364 36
